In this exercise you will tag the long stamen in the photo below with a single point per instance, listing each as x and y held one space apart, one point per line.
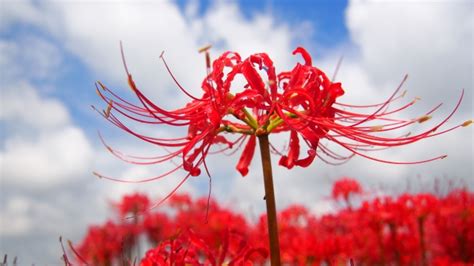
162 57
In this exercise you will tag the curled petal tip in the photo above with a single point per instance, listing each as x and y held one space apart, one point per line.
162 53
304 54
467 123
205 48
443 157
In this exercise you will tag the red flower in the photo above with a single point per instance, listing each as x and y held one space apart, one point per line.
189 249
344 187
302 101
133 204
104 244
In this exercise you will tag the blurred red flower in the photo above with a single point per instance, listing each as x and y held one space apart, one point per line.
421 229
345 187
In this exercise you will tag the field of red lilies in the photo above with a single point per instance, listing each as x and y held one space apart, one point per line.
408 229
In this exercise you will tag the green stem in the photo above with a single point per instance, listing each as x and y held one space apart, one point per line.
270 200
250 119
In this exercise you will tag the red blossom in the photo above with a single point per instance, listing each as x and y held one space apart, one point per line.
133 204
302 101
345 187
104 244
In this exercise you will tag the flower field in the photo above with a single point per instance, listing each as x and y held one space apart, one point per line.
408 229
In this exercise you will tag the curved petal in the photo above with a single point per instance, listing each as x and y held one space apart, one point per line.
246 157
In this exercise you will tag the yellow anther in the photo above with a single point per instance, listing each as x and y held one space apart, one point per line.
404 93
467 123
205 48
131 84
376 128
109 108
98 93
271 82
424 118
101 85
229 96
417 98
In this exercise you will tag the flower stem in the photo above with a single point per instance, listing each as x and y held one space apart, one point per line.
270 200
421 230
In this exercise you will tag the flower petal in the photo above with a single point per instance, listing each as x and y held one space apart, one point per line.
246 157
304 54
293 153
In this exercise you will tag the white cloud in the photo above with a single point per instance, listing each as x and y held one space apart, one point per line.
22 11
14 219
431 41
424 42
226 26
21 104
156 190
85 30
28 57
47 160
42 147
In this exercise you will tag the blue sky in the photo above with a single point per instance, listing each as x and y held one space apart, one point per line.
325 18
51 53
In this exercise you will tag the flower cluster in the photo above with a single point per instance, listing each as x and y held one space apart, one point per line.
302 102
345 187
410 229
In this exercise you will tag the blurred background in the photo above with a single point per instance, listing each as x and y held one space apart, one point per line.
51 53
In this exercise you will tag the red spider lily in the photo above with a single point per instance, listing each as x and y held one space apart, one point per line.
105 244
302 101
454 222
345 187
133 204
156 227
189 249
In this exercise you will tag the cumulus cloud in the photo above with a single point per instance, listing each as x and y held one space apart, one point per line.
15 209
84 30
21 104
42 147
424 42
47 160
42 155
432 42
20 61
